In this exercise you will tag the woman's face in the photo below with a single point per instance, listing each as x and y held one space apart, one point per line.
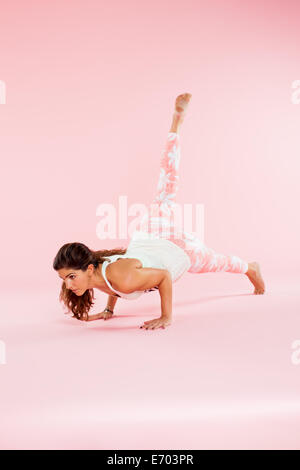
75 280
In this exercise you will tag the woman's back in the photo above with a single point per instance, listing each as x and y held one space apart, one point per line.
157 253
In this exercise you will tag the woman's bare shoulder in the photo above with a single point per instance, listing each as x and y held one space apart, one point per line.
132 262
116 272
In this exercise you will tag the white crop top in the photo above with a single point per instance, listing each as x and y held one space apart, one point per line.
153 252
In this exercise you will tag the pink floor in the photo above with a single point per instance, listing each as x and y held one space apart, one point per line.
220 377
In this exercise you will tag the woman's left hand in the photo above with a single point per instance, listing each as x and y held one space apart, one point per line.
160 322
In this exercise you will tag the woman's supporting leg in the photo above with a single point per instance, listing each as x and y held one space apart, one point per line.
206 260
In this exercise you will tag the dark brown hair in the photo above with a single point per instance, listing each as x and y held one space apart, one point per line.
79 256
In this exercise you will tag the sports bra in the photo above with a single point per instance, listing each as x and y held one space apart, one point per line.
157 253
132 295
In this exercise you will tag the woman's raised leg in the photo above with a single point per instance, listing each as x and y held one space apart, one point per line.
161 207
203 259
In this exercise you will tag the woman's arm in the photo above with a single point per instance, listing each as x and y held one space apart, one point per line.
110 304
165 290
130 280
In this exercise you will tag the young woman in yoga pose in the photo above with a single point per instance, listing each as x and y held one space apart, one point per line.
151 261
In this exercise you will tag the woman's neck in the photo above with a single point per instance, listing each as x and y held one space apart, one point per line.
98 280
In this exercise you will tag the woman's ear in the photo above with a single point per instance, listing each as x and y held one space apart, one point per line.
90 269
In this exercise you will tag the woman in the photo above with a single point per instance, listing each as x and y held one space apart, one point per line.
150 261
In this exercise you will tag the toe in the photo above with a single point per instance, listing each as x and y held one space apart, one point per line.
260 291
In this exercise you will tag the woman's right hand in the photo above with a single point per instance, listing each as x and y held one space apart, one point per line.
102 315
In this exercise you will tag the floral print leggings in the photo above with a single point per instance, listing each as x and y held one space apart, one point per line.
203 259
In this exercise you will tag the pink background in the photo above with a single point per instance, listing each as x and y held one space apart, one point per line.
90 93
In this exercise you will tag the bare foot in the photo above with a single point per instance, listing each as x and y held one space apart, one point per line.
255 277
181 104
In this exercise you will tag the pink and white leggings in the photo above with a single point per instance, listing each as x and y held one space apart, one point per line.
203 259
